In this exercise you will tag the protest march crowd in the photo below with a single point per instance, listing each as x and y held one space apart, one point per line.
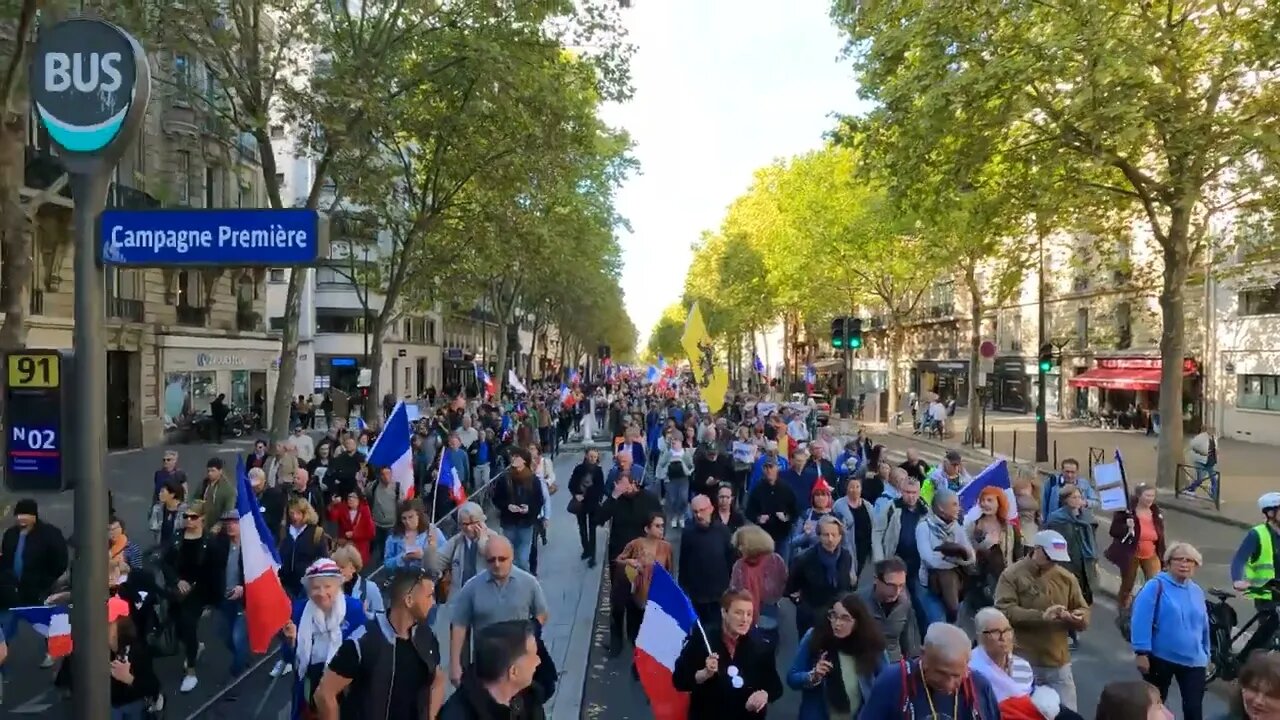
918 591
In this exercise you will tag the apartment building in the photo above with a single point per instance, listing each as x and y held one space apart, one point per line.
337 305
177 338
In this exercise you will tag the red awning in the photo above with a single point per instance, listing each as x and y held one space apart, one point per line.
1119 378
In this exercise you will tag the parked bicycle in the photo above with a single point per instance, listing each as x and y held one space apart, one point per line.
1224 660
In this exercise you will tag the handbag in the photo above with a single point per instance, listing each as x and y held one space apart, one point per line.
444 585
575 506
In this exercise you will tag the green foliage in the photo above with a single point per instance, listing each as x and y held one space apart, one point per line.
664 339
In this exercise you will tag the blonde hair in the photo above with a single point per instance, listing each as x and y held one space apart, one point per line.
1186 549
196 507
348 555
752 541
1067 492
309 513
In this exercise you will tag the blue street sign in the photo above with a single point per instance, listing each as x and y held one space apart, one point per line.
159 238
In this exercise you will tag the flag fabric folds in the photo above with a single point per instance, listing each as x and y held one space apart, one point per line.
393 449
450 480
485 381
810 377
652 375
995 475
515 383
51 621
668 620
564 393
757 364
266 605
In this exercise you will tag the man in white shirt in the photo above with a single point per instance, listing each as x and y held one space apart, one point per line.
797 429
302 445
467 433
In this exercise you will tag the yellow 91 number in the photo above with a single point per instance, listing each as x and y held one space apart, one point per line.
33 371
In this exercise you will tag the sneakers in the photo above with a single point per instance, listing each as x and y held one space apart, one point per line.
189 683
47 662
280 668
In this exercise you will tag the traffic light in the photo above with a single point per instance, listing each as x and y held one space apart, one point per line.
1046 357
364 393
855 333
838 336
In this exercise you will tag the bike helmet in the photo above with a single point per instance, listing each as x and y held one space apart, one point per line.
1269 501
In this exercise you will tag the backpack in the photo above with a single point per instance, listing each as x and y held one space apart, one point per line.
1124 620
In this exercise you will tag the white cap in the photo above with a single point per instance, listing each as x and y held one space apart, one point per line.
1053 544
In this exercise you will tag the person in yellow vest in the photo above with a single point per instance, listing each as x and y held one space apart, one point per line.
1253 568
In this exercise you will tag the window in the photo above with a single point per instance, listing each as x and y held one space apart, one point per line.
184 177
186 394
431 332
331 322
1259 301
279 180
210 180
1009 330
190 292
123 284
277 132
1258 392
939 300
1124 332
182 73
276 324
1082 328
276 275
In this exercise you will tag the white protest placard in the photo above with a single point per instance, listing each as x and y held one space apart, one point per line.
744 452
1109 481
413 412
765 409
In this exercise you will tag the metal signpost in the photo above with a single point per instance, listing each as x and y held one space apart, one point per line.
35 417
90 83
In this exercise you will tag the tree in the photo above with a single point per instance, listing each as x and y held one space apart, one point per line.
1163 105
318 67
664 338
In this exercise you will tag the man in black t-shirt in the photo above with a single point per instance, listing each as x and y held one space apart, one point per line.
382 681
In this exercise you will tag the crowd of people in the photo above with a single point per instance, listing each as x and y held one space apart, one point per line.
905 603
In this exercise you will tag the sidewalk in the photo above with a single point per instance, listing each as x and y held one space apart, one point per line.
1246 468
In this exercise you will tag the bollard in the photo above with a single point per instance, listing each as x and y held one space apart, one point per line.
1013 455
1055 453
992 445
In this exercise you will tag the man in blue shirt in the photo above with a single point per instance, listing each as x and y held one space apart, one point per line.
1070 475
937 685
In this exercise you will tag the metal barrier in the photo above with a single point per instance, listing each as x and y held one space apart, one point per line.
255 684
1210 487
1097 456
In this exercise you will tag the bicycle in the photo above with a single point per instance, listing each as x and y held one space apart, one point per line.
1224 661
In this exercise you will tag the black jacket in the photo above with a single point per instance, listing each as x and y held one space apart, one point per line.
271 502
807 577
629 514
206 578
771 498
717 697
44 558
508 491
720 469
588 481
472 702
706 560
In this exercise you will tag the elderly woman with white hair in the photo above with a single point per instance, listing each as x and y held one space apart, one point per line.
318 625
937 684
1011 677
462 556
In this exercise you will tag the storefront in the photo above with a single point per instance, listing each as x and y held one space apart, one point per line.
948 378
195 371
459 369
1011 386
1128 388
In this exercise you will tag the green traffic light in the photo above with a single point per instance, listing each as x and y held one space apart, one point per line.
855 343
837 342
1046 366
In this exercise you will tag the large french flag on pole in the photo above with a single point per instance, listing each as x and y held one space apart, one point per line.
266 606
996 475
449 479
668 620
394 450
51 621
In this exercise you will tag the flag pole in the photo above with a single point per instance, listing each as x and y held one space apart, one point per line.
705 641
1124 479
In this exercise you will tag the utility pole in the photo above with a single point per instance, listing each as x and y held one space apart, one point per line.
1042 422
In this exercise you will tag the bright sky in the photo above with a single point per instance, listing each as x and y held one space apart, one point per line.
722 88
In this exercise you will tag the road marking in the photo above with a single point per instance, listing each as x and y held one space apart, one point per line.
34 706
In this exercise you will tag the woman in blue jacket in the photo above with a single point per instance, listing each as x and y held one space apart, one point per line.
1170 630
318 625
837 661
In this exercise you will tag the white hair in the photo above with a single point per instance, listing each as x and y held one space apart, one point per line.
257 473
988 616
947 641
470 511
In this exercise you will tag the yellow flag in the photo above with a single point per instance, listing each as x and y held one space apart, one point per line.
713 381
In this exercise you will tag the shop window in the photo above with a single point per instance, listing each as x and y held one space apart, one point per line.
1258 392
1082 328
187 394
1259 301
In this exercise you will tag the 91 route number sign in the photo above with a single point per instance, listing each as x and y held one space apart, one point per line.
34 419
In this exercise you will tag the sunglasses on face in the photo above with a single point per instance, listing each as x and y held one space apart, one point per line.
191 516
497 559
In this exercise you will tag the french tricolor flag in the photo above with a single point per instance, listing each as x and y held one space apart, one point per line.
574 377
51 621
449 481
393 449
266 606
668 620
485 381
996 475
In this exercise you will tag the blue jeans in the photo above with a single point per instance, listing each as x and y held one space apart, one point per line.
1203 471
135 710
521 538
431 616
235 635
928 607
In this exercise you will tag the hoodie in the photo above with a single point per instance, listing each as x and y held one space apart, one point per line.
1178 630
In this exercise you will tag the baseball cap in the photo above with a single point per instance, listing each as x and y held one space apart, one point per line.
953 456
1053 544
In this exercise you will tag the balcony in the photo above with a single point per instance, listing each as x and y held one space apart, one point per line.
36 304
131 198
43 169
125 309
248 321
192 316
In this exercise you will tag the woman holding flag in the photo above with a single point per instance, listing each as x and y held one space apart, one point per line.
728 673
320 623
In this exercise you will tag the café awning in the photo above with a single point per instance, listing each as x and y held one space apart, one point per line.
1119 378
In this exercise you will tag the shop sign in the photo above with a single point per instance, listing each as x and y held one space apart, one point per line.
209 360
453 354
1143 363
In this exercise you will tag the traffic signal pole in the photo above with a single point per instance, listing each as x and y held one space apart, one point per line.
1042 422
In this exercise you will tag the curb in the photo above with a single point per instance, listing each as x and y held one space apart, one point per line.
1168 500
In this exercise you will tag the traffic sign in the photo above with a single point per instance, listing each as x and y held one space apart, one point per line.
986 358
240 237
34 418
987 349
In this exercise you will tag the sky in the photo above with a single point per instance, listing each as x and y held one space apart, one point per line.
723 87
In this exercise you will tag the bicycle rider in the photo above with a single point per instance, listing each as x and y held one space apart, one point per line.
1254 565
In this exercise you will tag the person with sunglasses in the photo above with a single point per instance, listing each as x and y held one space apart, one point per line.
500 593
193 577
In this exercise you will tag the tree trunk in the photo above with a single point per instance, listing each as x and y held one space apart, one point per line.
501 367
373 403
894 337
1177 262
16 244
282 401
975 343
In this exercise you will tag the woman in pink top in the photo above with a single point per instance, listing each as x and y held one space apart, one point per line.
763 574
1138 540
